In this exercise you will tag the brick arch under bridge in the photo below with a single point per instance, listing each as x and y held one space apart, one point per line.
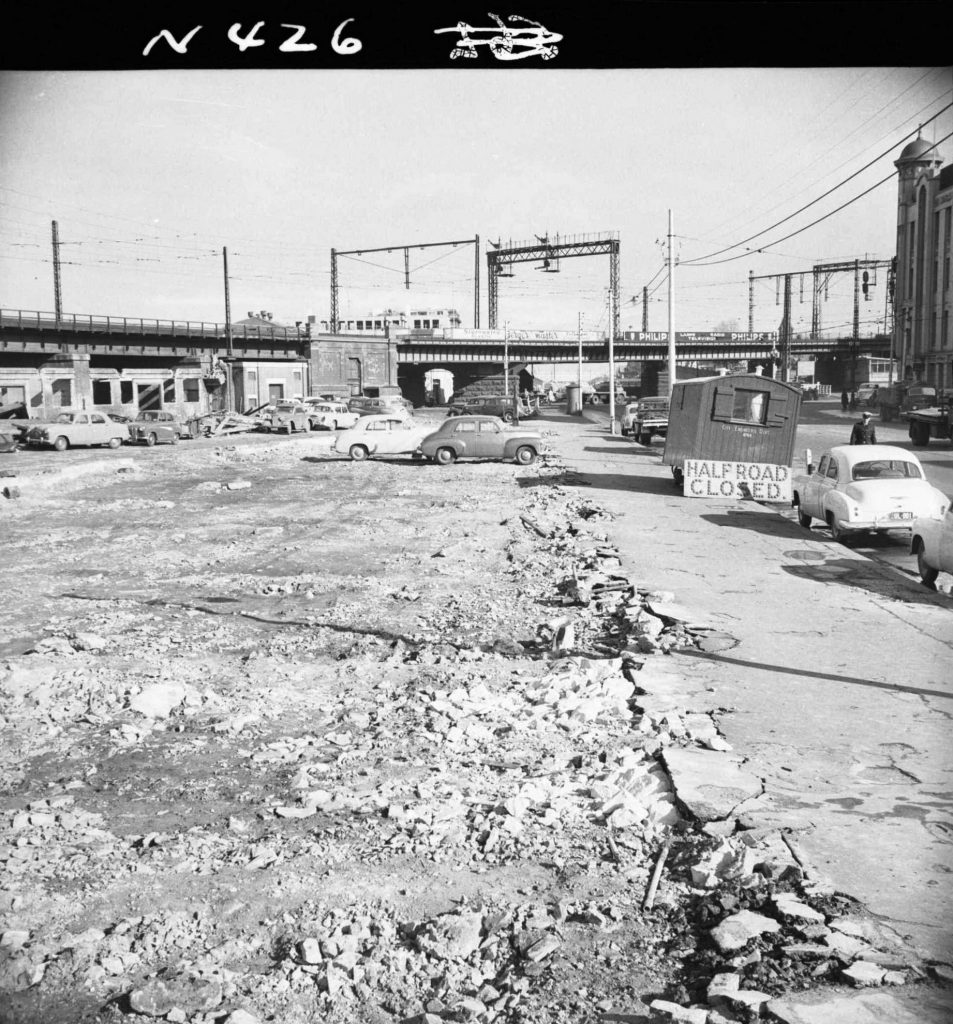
470 379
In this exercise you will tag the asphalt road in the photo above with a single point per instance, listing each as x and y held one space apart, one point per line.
823 425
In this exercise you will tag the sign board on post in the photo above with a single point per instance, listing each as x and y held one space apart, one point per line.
762 481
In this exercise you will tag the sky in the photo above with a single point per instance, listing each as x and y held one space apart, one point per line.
151 174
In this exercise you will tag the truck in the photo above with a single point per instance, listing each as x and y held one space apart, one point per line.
933 421
897 401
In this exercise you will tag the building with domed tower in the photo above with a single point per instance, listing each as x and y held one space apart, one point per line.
923 296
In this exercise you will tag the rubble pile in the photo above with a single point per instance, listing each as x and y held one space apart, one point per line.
403 772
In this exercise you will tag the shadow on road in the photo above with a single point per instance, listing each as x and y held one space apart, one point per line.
749 519
862 573
787 670
608 482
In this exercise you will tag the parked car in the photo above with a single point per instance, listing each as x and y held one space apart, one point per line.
868 395
486 405
324 415
649 419
866 488
153 426
390 405
388 434
480 437
70 429
287 416
628 417
932 542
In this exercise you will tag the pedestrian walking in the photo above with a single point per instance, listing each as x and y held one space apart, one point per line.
853 401
843 401
863 432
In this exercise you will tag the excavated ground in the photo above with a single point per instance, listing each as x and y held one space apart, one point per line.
287 738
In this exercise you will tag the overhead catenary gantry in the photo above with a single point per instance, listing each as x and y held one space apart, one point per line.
333 322
547 253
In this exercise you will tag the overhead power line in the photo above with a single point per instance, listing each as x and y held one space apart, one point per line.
813 202
741 256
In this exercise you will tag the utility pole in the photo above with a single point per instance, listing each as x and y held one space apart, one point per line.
645 309
611 361
506 359
579 373
476 281
57 293
751 302
855 337
228 334
786 329
671 309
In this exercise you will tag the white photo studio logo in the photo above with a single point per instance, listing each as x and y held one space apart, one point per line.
505 43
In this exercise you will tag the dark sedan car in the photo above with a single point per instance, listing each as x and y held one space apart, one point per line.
491 405
480 437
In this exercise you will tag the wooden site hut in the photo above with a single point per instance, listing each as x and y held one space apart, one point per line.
740 417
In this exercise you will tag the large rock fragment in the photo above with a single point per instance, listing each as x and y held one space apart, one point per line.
710 783
157 998
736 931
452 936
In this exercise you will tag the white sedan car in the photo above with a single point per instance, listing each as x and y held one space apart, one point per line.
932 543
390 434
866 488
330 415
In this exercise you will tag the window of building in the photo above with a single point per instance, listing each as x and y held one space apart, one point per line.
102 392
126 392
62 392
168 391
360 325
436 323
190 387
417 324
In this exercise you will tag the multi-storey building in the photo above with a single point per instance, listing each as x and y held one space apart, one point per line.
923 295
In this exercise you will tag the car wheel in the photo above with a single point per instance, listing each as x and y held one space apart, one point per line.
61 444
927 573
358 452
175 437
838 533
804 519
919 435
525 455
508 417
115 442
151 439
444 456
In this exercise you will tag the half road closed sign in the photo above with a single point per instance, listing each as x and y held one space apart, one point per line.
762 481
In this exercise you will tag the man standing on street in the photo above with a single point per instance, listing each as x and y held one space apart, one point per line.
863 432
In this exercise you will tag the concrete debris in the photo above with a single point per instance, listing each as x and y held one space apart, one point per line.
737 931
159 700
370 785
711 784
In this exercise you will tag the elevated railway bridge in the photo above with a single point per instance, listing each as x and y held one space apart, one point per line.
171 350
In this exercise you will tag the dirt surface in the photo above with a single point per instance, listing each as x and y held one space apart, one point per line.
290 738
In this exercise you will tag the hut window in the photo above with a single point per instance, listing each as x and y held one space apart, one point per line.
750 406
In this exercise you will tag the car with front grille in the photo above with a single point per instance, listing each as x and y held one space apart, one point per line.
866 488
155 426
72 429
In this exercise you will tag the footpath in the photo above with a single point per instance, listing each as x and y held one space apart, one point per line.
838 695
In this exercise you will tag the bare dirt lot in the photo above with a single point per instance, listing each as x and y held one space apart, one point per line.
290 738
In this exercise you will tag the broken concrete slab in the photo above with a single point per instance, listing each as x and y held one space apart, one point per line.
736 931
925 1006
710 783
